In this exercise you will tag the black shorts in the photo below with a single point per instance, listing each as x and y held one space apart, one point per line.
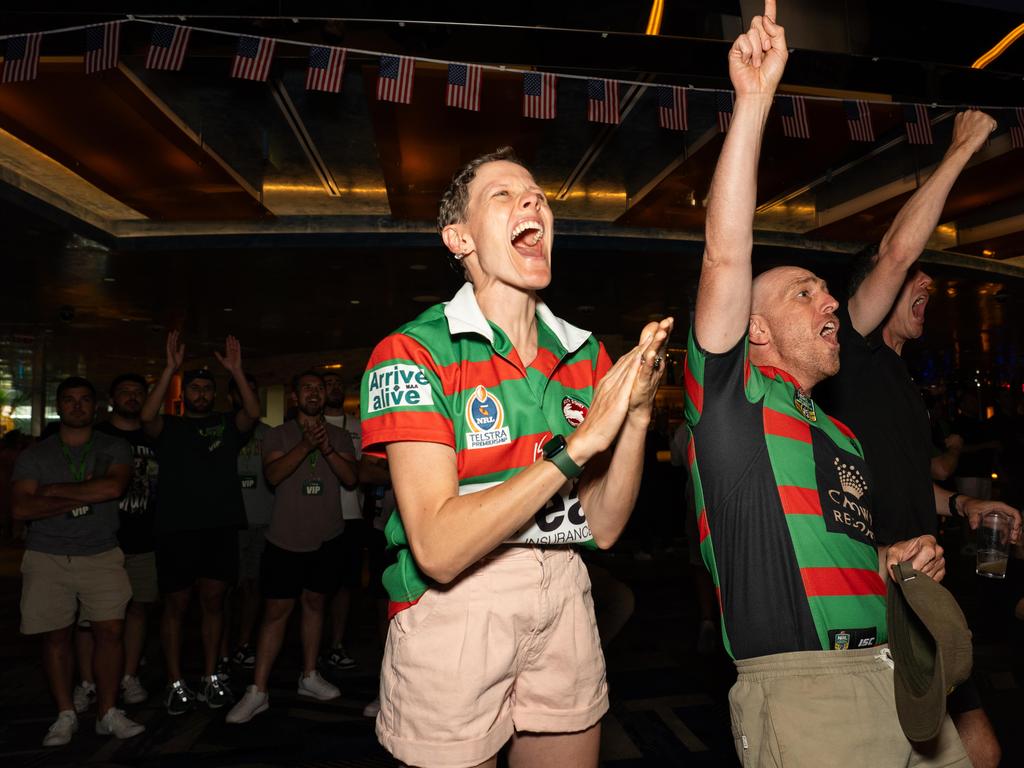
964 698
284 575
183 557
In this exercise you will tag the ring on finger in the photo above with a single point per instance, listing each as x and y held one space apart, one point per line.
657 363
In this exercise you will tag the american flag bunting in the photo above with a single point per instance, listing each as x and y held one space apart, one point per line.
394 79
723 105
21 58
1017 131
167 46
253 57
858 121
672 107
919 128
603 101
326 68
794 117
539 95
102 42
464 85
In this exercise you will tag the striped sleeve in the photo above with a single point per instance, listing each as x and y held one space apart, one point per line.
401 397
719 378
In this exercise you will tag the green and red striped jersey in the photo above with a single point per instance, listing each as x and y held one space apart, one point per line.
784 511
452 377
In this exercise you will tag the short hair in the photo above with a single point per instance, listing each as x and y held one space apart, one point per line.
134 378
75 382
455 200
300 376
863 262
197 373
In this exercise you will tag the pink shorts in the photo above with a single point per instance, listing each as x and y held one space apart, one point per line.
511 645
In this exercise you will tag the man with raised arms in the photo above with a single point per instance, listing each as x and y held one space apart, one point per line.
782 492
511 439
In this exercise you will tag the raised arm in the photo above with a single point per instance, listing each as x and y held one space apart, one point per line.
756 62
914 224
152 421
249 413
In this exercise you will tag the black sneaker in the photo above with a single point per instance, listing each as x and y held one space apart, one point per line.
245 656
339 659
215 692
224 669
179 699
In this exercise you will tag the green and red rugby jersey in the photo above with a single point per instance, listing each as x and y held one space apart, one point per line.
452 377
784 511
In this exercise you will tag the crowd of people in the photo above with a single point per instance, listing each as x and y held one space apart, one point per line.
495 442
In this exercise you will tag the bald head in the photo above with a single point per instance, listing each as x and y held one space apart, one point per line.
770 287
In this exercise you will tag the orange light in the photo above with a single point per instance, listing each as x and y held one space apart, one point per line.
995 475
654 20
334 366
997 50
987 252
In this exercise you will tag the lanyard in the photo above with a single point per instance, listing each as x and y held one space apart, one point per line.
314 457
77 469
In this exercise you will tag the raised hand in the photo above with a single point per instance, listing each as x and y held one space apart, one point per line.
971 130
654 342
758 58
175 351
232 357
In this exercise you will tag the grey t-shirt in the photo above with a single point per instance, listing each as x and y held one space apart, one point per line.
307 504
87 530
257 496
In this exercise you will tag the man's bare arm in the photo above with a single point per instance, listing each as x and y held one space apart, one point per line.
27 504
914 224
95 491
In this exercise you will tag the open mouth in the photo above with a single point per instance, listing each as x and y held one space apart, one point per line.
917 308
526 237
828 331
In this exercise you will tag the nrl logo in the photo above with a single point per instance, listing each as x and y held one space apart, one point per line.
574 411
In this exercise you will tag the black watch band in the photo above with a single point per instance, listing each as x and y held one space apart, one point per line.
953 511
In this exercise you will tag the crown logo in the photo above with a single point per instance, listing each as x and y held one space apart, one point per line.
850 479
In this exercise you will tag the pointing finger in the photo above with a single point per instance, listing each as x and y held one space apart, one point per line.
769 10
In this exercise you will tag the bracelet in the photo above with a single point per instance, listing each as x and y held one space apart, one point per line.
325 455
953 511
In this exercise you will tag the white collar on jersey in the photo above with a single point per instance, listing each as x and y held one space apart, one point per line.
464 316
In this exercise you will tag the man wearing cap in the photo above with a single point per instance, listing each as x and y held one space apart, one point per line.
199 511
66 488
875 395
782 492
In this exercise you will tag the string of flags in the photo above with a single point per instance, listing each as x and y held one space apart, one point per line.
169 43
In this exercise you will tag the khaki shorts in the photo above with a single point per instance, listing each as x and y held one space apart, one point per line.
141 570
53 586
818 708
511 645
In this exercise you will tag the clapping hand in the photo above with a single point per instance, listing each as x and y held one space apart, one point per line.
232 357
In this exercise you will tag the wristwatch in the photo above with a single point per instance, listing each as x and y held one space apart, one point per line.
954 511
555 452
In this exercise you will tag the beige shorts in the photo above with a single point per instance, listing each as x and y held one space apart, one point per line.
141 570
53 586
817 708
511 645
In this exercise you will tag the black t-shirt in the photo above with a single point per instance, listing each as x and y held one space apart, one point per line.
198 477
137 507
874 395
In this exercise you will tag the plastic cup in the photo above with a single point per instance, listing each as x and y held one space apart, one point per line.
993 545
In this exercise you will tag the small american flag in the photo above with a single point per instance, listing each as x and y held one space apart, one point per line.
672 107
326 67
723 105
101 46
794 117
919 129
858 121
464 85
539 94
253 57
21 59
394 79
1017 131
603 101
167 47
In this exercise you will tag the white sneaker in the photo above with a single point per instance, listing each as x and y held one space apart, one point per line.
115 723
132 690
372 709
250 705
61 731
83 696
314 686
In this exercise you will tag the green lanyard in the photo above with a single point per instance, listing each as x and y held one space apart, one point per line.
314 457
77 470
